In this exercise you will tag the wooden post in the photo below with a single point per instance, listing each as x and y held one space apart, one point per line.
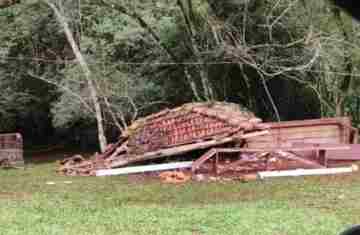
322 157
267 162
215 163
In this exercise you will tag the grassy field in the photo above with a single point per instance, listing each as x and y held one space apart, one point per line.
118 205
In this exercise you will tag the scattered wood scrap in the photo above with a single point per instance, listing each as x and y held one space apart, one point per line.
76 165
174 177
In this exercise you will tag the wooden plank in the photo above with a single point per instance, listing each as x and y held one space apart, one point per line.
343 157
306 129
300 134
327 130
183 149
256 134
306 139
352 153
299 149
209 154
288 142
355 135
171 151
213 152
345 121
142 169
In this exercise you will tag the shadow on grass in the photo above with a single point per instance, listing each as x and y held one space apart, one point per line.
53 155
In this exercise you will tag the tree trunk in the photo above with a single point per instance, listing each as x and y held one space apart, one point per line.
345 83
203 73
156 37
87 73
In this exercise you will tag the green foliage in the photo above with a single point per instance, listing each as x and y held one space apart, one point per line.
145 55
12 106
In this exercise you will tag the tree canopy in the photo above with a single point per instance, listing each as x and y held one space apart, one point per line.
283 60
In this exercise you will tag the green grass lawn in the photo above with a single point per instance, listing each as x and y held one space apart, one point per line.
117 205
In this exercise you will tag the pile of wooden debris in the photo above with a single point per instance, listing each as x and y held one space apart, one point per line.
235 144
172 132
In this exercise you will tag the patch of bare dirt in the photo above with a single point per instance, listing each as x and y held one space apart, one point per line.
14 195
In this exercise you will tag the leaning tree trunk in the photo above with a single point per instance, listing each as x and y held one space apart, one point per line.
345 83
87 73
203 73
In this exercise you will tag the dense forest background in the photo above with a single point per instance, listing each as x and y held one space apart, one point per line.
282 59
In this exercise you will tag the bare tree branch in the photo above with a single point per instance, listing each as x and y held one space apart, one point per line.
86 70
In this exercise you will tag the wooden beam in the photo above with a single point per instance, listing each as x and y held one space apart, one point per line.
209 154
322 157
300 149
254 134
355 135
171 151
339 121
142 169
302 160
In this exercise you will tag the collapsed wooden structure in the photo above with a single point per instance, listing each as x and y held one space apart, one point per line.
172 132
313 131
233 141
314 144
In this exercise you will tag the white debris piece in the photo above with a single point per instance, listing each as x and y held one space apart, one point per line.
304 172
141 169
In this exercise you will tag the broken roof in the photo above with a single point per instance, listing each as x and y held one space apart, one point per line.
188 124
230 113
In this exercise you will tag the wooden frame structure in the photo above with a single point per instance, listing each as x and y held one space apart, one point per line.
314 131
213 155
